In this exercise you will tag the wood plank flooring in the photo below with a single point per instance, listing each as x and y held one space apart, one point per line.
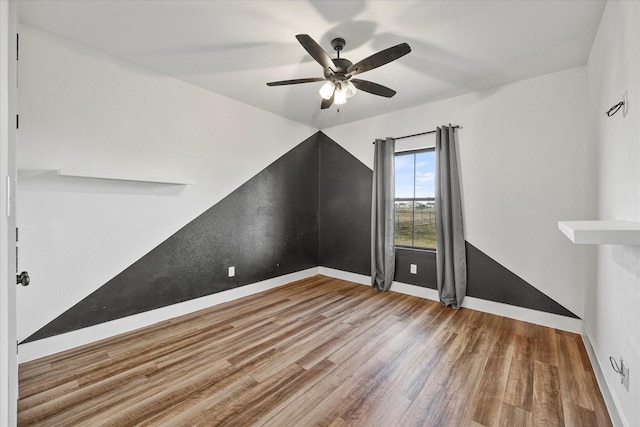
320 352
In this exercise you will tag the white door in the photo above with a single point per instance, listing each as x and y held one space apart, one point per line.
8 343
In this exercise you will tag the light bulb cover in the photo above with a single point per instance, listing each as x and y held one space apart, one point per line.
326 91
340 97
350 89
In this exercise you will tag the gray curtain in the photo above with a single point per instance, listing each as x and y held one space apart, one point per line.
451 257
383 257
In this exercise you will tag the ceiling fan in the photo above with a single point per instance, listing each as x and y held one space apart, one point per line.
338 72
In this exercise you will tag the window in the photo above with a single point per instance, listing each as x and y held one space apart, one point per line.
415 213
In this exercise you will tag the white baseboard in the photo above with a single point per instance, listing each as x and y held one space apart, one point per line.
617 417
47 346
556 321
542 318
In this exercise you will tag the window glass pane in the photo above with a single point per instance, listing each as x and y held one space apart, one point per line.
424 226
404 224
425 174
404 175
415 216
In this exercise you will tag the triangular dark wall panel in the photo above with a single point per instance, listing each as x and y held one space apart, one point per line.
486 279
489 280
345 209
268 227
311 207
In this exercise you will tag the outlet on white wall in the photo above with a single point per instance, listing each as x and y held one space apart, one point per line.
232 271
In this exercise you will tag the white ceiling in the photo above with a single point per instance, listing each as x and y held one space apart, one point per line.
234 47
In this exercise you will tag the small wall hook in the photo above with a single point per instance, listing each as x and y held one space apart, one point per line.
620 105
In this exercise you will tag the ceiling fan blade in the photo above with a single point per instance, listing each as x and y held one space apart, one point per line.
315 51
380 58
296 81
326 103
373 88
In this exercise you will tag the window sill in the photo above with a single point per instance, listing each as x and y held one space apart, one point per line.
409 248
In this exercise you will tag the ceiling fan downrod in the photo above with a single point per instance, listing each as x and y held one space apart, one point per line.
338 44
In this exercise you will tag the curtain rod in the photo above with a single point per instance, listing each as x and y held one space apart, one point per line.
423 133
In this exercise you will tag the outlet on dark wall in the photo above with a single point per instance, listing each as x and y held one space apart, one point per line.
425 262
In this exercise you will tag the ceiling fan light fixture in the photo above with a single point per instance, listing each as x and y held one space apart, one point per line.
340 97
350 89
326 91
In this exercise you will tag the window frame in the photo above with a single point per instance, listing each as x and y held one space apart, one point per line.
414 199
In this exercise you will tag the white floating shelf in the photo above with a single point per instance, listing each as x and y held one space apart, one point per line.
154 180
601 232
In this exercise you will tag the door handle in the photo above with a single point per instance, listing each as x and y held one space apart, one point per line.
23 279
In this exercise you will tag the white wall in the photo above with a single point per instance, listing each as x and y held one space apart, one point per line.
612 312
524 167
82 109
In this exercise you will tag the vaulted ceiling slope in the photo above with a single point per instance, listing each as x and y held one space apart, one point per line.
234 47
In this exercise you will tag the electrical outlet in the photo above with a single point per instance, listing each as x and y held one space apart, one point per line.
413 269
625 374
232 271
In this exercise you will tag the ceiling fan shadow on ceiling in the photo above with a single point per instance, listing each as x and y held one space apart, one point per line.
338 72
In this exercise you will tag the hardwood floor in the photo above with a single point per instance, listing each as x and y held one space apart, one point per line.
320 352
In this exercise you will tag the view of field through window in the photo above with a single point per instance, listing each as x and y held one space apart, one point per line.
415 216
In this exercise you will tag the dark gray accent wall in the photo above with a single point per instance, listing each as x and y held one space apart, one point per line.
425 262
489 280
345 209
486 279
310 207
266 228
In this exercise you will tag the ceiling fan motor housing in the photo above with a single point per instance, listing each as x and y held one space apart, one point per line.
342 65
